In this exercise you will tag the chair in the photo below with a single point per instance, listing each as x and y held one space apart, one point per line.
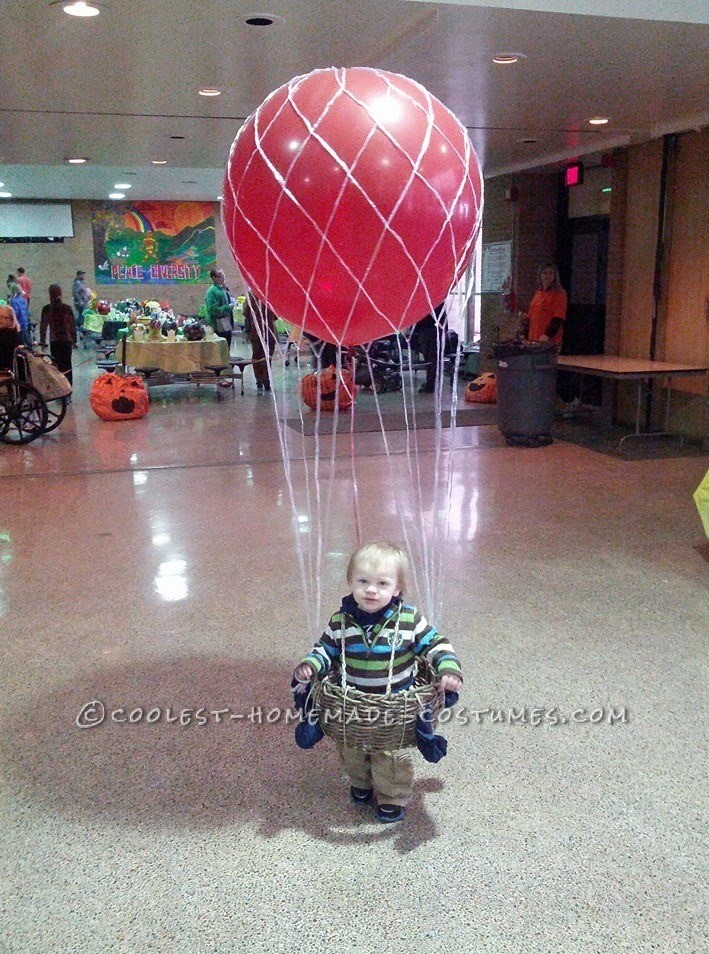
239 363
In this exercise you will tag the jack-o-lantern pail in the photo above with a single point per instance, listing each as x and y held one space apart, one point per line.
326 383
482 390
117 398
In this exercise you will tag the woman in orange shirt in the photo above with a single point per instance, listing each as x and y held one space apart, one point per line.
547 310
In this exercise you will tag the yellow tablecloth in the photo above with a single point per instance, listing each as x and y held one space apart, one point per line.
177 357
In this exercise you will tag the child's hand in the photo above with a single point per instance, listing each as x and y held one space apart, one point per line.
304 673
449 683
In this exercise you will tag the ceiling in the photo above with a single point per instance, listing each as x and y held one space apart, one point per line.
117 87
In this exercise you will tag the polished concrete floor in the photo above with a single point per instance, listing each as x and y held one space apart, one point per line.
160 565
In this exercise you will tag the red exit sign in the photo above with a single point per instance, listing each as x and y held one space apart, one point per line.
573 174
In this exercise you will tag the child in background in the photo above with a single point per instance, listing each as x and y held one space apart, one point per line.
376 624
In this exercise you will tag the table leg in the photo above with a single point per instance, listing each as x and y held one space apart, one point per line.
638 414
650 433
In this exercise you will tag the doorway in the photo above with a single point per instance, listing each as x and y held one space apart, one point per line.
583 265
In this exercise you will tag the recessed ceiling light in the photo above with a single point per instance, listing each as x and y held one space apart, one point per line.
598 120
209 91
607 189
219 197
5 195
81 9
117 195
123 185
504 58
76 162
159 162
264 19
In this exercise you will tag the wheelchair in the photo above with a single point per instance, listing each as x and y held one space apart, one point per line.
23 410
26 412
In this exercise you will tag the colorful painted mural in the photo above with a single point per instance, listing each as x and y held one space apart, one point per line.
156 243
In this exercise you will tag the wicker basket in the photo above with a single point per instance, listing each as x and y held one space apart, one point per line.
376 722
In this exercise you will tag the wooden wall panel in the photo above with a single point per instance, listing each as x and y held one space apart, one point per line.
685 331
641 218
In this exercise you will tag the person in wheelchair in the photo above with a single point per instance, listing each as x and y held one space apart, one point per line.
10 336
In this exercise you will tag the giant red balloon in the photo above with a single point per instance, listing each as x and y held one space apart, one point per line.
352 199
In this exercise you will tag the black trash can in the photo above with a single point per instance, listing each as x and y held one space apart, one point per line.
526 385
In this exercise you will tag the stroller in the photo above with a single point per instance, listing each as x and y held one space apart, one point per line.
389 359
382 372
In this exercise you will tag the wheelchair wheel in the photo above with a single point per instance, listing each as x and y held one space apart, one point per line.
23 413
56 411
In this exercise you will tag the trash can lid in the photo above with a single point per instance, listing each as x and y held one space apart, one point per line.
512 348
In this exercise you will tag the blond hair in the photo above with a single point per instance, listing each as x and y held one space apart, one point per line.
373 554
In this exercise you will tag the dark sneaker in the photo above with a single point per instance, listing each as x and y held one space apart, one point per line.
390 813
259 385
424 389
360 795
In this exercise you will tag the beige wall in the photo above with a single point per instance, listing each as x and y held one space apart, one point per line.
49 262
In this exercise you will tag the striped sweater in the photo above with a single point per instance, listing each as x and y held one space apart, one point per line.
368 650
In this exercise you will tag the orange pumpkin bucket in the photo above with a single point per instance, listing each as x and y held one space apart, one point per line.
114 397
482 390
325 382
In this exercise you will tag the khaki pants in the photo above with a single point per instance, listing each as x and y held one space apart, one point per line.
390 774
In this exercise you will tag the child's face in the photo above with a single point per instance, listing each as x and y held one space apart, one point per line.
374 586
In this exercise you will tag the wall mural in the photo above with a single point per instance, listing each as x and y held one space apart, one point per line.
153 243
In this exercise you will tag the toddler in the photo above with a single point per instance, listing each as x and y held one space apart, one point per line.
377 624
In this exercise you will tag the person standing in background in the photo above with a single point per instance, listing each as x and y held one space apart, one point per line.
547 310
545 323
216 302
222 282
18 302
25 284
58 319
227 321
81 294
262 323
